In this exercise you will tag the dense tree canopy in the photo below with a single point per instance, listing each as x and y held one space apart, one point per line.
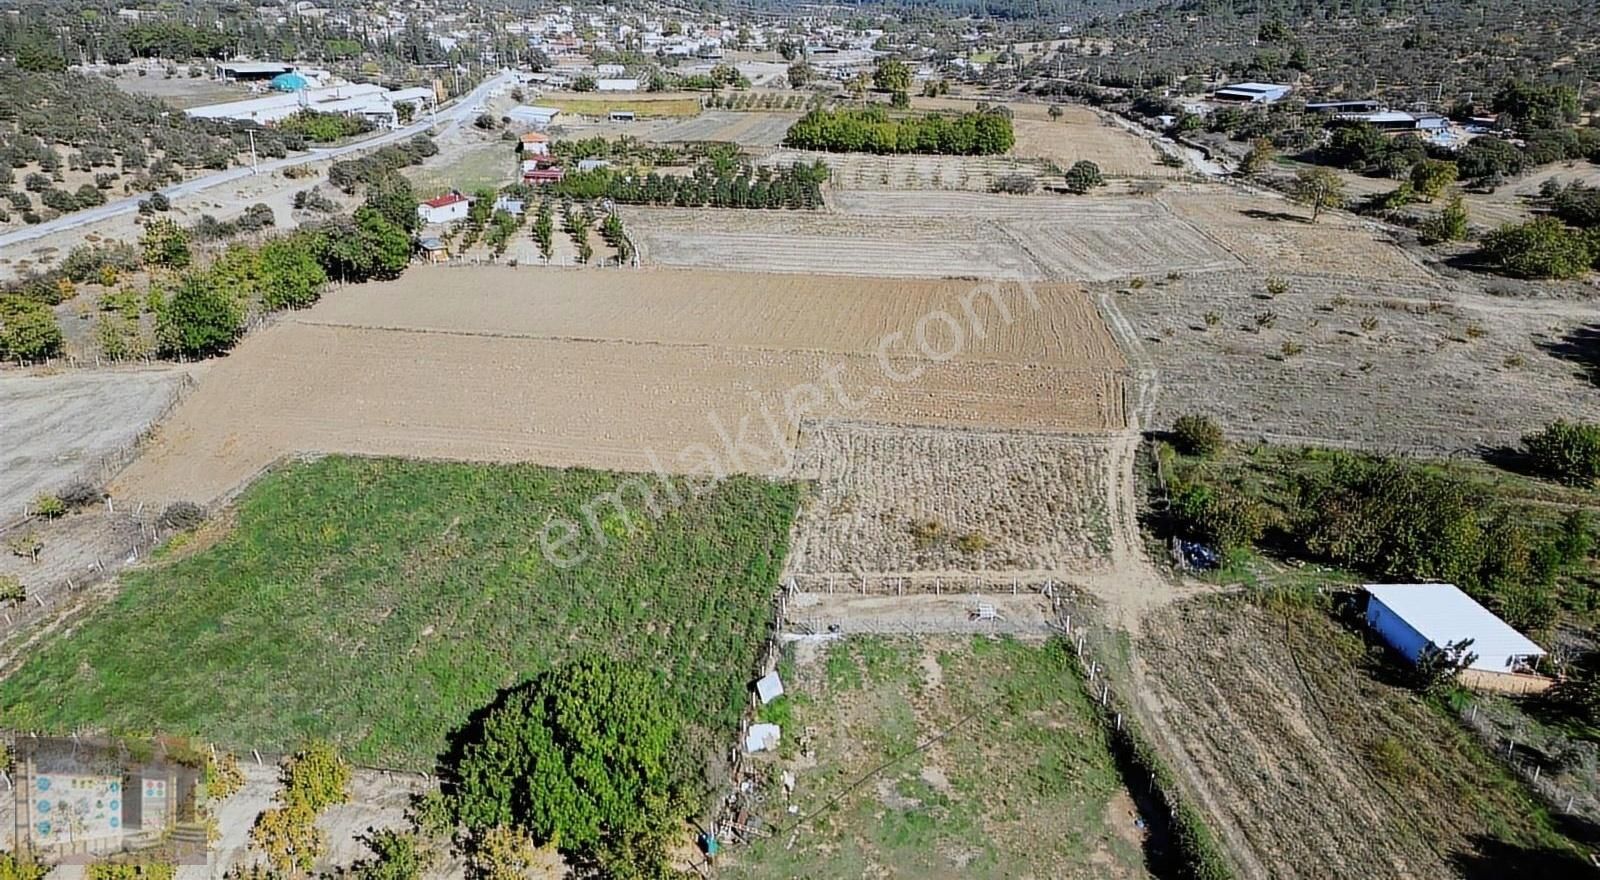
199 319
873 130
586 756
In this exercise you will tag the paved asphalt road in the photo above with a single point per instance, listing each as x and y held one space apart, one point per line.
462 110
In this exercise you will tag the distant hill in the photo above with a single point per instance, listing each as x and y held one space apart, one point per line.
1402 50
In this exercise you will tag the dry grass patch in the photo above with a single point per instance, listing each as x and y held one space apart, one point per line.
890 500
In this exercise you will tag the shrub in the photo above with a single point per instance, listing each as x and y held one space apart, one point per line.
131 871
165 244
1197 435
223 776
49 506
1566 451
1219 515
289 837
316 777
28 330
1014 184
181 515
12 592
1450 224
1540 248
1083 176
289 275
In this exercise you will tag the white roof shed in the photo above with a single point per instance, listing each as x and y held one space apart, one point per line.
1412 616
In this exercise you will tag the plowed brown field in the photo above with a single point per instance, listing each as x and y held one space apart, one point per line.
629 370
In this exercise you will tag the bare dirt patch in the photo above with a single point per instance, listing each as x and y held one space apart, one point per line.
769 241
750 129
653 392
1080 135
1387 367
1272 233
55 429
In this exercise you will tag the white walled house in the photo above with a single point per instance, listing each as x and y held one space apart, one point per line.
444 209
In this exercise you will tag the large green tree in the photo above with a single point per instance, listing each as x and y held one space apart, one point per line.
289 275
585 755
391 196
200 319
891 75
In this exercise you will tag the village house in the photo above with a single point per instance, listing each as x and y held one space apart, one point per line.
447 208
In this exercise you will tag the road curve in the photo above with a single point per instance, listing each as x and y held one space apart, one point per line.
454 115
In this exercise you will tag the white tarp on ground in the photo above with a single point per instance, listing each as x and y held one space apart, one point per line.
769 688
762 738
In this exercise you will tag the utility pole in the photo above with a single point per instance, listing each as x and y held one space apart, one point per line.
252 133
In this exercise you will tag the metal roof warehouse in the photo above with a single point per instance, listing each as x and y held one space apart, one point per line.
1410 617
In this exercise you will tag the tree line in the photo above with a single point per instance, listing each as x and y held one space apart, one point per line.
983 132
797 186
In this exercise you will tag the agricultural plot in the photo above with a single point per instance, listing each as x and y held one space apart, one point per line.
1341 362
865 171
746 128
763 241
623 382
1307 765
1089 239
884 501
1080 135
61 428
643 106
378 602
1047 323
925 234
1273 233
1020 785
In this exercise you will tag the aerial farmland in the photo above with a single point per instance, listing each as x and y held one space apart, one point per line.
898 512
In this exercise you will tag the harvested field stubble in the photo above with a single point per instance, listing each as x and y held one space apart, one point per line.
762 241
934 234
1313 765
1272 233
1340 362
698 395
892 500
1046 323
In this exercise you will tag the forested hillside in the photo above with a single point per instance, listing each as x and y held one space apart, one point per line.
1399 50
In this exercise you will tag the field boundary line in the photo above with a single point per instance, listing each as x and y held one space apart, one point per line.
706 346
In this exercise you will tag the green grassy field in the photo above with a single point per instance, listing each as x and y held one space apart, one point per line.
644 107
479 166
379 602
1022 784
